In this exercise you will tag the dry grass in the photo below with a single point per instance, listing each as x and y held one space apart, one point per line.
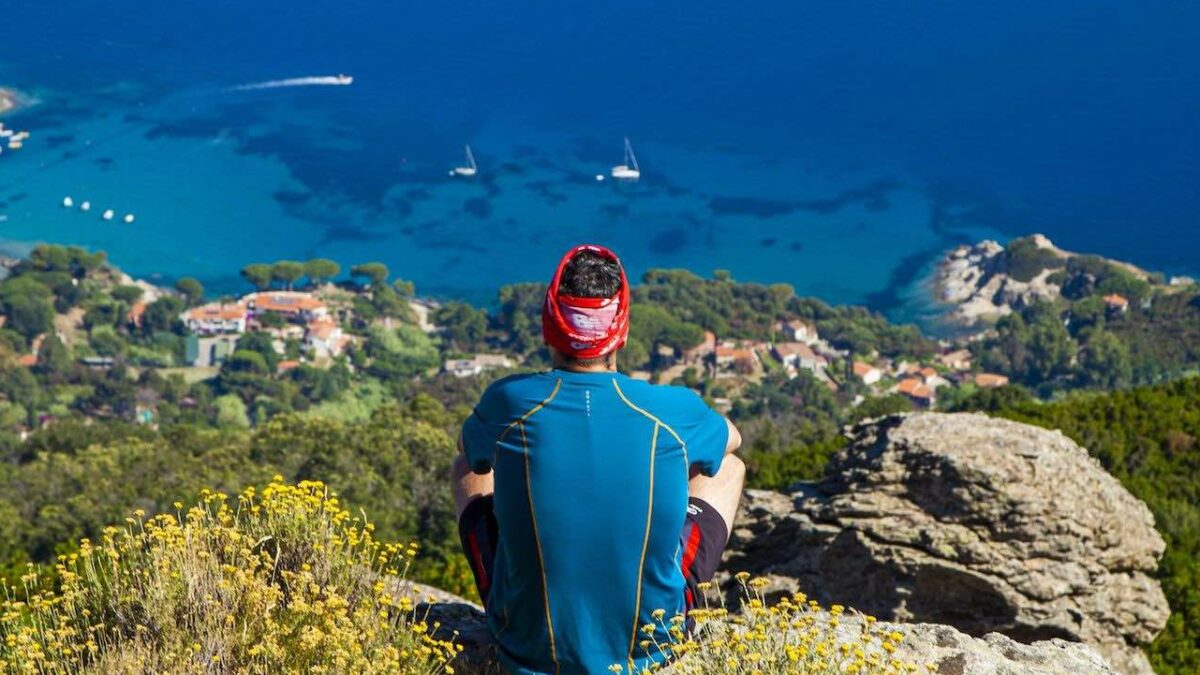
285 580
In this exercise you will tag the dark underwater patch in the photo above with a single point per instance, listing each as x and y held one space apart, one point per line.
751 206
872 196
58 140
669 241
291 197
768 242
479 207
346 232
615 210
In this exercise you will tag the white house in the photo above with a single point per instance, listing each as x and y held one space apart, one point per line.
866 372
476 364
798 355
798 330
216 318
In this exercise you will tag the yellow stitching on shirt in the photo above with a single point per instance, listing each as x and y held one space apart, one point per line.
637 603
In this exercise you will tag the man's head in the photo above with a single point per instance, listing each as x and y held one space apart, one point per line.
585 318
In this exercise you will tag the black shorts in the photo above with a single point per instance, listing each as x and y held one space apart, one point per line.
701 542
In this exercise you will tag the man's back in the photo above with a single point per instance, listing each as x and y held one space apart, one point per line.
591 495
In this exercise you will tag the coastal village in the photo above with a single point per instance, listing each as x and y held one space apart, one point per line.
317 324
317 327
346 326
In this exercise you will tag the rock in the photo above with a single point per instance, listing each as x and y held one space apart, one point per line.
979 523
952 652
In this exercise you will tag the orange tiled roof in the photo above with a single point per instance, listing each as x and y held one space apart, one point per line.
986 380
928 371
861 369
136 312
921 391
795 348
909 386
287 365
27 360
284 302
1116 300
217 312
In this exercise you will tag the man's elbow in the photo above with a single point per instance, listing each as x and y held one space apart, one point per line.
735 438
460 467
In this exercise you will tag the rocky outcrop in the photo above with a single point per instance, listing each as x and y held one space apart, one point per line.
982 524
949 650
974 280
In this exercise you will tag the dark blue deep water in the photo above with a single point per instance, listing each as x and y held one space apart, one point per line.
835 146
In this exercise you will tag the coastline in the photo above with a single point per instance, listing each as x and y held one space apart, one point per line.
10 100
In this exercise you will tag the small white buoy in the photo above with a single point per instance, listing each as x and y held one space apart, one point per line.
599 177
108 214
86 206
68 202
129 217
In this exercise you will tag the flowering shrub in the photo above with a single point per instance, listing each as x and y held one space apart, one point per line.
285 580
792 637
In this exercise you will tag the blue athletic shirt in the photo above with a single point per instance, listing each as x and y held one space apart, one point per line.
591 473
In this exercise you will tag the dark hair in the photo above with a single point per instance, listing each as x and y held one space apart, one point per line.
590 275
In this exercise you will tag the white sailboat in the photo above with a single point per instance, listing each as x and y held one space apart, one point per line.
630 169
470 169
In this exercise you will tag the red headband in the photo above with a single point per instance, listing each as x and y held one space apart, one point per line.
585 328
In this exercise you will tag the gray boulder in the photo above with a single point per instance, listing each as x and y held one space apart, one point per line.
978 523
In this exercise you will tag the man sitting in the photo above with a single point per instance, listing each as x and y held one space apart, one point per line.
587 500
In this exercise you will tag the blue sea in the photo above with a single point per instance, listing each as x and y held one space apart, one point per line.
838 147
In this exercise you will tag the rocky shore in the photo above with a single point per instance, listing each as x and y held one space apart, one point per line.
8 100
974 281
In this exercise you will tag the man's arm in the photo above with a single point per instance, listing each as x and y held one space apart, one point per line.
467 484
735 438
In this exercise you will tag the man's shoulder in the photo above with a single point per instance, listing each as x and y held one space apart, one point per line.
519 386
642 392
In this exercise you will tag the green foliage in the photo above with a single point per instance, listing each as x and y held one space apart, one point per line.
163 315
654 325
766 470
400 353
1105 362
127 294
879 406
287 271
53 361
465 326
321 270
28 305
258 274
192 290
376 273
231 412
1024 259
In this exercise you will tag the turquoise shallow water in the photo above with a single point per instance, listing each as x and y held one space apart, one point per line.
206 203
839 149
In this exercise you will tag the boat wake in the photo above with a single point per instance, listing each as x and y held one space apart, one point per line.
324 81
